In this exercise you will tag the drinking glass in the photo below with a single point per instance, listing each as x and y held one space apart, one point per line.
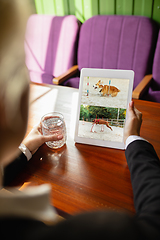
54 124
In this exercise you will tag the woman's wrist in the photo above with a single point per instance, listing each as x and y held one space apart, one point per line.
25 151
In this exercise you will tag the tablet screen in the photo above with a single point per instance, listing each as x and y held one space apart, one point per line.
102 111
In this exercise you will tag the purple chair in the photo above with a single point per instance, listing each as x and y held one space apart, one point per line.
50 46
153 93
116 42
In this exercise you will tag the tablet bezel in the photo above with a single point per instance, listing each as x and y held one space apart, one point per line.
102 73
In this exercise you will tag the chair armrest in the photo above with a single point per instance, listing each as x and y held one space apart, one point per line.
142 86
69 73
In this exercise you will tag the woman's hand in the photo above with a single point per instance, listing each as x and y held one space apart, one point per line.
35 139
133 122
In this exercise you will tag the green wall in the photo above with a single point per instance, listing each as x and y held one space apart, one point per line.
84 9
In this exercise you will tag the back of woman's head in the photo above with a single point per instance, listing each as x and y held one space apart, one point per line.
13 74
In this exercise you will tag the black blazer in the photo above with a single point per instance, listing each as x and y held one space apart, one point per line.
144 167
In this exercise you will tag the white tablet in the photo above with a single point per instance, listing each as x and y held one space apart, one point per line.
104 95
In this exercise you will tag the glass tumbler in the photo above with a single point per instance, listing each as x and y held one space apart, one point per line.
54 124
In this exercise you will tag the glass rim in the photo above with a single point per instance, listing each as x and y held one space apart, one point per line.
51 114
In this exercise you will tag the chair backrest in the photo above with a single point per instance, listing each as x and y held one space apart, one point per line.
156 63
118 42
50 43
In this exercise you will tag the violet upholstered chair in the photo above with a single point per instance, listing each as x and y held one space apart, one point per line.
116 42
50 46
152 81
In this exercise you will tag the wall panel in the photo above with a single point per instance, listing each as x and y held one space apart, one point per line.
39 6
49 7
124 7
107 7
61 7
71 7
84 9
143 7
156 11
79 10
90 8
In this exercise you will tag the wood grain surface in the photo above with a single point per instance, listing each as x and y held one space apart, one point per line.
83 177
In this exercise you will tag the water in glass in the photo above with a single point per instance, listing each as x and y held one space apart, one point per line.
53 124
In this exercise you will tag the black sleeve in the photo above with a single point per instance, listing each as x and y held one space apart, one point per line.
144 166
15 167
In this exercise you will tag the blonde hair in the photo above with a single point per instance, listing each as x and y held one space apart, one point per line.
13 75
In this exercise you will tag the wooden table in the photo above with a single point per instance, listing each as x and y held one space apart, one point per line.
83 177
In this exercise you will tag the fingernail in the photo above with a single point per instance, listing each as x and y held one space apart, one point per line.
131 104
60 137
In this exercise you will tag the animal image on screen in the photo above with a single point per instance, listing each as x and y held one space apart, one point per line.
103 108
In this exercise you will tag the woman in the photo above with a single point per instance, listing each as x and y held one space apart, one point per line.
22 215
